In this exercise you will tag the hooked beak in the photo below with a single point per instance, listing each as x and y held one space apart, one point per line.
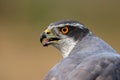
48 38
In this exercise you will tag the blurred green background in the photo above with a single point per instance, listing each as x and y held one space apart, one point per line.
22 57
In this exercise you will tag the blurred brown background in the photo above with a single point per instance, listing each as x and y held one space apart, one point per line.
22 57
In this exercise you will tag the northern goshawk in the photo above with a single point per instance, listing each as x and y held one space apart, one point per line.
85 56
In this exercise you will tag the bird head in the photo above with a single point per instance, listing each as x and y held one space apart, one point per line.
64 35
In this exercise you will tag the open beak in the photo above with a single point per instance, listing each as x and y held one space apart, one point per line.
48 38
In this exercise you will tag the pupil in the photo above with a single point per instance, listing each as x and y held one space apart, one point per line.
64 30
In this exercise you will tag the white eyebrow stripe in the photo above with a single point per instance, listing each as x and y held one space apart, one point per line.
69 24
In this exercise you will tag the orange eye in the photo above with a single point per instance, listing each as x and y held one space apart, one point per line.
64 30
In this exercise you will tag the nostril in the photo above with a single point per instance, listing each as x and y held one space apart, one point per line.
48 33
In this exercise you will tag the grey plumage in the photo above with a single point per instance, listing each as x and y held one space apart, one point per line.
85 56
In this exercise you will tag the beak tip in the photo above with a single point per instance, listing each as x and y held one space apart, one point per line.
43 35
43 39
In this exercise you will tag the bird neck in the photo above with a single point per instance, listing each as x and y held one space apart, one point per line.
91 45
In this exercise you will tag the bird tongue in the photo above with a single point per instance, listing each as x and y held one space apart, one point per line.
45 41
